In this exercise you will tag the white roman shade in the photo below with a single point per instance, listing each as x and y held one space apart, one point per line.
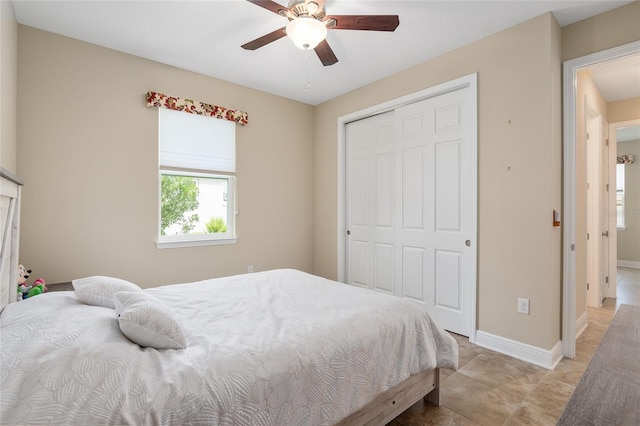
191 141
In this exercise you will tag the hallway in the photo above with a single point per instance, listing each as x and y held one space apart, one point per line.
628 286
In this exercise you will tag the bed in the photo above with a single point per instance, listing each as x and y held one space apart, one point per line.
279 347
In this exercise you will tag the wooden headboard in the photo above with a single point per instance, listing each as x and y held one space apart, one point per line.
10 188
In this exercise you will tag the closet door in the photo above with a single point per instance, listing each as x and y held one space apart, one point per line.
411 205
435 227
370 203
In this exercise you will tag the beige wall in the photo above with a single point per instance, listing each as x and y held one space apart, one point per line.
614 28
8 86
519 166
629 238
628 109
88 155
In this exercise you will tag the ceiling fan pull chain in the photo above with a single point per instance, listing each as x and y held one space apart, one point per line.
307 68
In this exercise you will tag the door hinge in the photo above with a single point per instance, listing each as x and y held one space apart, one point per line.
606 280
587 136
607 187
587 236
587 185
607 142
587 286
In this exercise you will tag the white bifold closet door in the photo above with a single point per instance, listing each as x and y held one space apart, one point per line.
410 216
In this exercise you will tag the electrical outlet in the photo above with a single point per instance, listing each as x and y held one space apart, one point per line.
250 269
523 306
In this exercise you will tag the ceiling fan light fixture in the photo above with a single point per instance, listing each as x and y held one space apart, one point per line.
306 32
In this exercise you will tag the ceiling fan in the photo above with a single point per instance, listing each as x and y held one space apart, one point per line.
308 25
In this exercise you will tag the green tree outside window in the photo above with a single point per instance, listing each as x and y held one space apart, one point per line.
179 198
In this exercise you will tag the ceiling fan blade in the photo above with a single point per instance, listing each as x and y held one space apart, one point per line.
270 5
365 22
265 39
325 54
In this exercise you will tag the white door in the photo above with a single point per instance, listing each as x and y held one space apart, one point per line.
594 221
370 203
411 209
436 226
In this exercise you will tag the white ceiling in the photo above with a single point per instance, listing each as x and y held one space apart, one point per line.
205 36
627 134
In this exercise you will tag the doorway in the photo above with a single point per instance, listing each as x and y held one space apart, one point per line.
625 137
573 213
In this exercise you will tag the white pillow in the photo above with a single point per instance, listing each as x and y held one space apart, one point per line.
99 290
147 321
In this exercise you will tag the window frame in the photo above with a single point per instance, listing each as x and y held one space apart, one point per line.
620 195
174 241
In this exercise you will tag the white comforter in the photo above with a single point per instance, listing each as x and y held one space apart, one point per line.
272 348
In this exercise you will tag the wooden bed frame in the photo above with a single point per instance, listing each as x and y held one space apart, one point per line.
390 404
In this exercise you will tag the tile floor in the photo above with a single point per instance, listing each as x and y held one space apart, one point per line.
494 389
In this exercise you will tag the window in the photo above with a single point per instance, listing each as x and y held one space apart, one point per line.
197 179
620 195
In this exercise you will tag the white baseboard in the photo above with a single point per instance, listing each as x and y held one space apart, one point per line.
581 324
523 351
629 264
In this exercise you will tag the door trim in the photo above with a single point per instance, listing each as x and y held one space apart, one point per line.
570 72
469 81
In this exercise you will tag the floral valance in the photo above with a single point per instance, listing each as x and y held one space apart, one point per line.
625 159
161 100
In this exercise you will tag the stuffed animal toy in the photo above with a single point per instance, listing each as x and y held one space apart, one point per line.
38 287
24 289
40 282
36 290
23 274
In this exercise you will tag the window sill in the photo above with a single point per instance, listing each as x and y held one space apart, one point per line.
623 228
168 244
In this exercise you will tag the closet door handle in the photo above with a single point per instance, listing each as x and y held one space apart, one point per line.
468 243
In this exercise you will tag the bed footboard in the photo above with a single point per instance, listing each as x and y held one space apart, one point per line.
390 404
